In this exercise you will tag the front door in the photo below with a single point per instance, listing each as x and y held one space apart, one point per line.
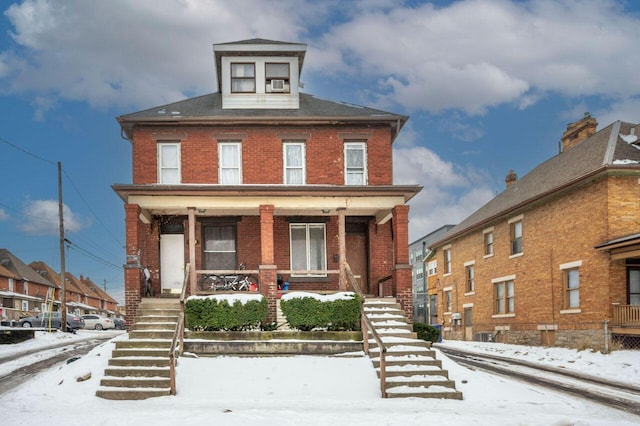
356 248
171 262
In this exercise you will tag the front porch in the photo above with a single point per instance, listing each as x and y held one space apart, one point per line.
625 325
303 235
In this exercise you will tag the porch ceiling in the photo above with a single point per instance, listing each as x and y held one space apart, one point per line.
241 200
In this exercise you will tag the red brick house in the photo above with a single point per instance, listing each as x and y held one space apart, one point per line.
261 174
555 258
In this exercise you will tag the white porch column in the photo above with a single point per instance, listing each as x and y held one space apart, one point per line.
193 277
342 249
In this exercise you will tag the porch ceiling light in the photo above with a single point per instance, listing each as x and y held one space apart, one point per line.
201 211
325 211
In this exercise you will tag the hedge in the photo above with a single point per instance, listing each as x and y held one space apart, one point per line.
210 314
310 312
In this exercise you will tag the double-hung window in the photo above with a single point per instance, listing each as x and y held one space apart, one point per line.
219 249
504 293
634 286
515 227
294 163
243 78
488 243
308 248
571 284
448 301
11 287
447 260
355 163
230 160
169 163
471 278
26 287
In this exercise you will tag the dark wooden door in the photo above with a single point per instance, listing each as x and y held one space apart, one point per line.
356 247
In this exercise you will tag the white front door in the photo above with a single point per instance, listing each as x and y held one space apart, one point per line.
171 262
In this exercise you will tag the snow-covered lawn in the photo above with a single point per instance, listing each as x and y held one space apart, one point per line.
309 390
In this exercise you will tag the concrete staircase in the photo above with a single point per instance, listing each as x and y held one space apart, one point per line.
139 366
411 367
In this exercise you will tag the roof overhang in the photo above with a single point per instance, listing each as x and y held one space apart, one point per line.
245 200
626 247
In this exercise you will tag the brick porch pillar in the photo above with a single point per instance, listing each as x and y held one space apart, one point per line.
132 290
267 268
402 268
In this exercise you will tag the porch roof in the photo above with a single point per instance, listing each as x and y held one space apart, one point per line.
622 248
243 200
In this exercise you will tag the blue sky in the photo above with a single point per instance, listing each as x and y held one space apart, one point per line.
490 85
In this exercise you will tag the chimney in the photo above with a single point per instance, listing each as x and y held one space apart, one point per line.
578 131
511 179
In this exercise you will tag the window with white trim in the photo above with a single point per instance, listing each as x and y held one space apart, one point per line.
432 267
308 248
26 287
243 77
169 163
276 77
471 278
504 296
230 160
294 163
571 280
355 163
25 305
219 248
11 285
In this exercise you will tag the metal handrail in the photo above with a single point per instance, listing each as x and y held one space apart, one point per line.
178 334
367 326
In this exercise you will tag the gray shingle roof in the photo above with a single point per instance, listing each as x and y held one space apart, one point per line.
210 107
606 149
21 269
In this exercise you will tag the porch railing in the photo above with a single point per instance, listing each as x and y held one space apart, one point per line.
176 350
626 315
366 327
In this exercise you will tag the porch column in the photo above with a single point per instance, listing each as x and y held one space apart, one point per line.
267 268
193 277
342 250
402 268
132 291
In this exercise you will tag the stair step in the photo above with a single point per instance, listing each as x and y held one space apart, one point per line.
418 381
413 370
140 352
144 344
137 382
118 393
151 334
148 361
138 371
154 325
439 392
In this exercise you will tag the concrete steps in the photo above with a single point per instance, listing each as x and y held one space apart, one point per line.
411 367
139 367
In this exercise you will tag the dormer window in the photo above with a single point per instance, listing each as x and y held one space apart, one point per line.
276 77
243 77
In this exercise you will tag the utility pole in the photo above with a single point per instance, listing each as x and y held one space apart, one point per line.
63 295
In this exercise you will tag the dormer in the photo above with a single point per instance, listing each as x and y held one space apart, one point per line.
259 74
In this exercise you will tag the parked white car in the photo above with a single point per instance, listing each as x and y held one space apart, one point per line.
97 322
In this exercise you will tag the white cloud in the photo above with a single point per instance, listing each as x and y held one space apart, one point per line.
40 217
3 215
450 193
470 55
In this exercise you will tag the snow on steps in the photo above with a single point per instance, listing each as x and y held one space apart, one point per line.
411 367
139 367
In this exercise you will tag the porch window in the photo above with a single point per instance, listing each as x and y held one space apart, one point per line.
230 159
355 160
294 163
243 78
634 286
308 248
169 163
504 297
571 278
219 247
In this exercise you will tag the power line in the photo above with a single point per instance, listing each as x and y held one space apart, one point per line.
27 151
87 253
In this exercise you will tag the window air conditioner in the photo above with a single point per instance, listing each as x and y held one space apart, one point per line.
277 85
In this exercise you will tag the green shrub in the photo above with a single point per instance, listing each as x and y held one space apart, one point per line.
426 332
209 314
308 313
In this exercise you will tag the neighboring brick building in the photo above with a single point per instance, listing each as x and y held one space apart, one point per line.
555 258
261 174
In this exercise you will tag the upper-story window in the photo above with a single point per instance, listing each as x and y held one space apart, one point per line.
26 287
294 163
432 267
488 242
504 294
515 230
276 77
355 163
169 162
230 160
243 77
447 260
11 288
470 272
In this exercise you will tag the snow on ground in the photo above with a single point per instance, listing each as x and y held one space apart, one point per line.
309 390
